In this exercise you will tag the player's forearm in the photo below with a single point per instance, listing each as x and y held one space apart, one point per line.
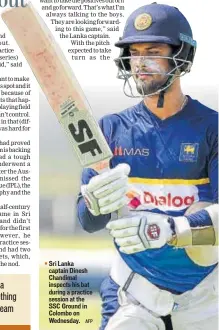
198 229
89 222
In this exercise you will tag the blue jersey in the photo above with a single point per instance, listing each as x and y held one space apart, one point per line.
173 164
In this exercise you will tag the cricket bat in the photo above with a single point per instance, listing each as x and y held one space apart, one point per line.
59 84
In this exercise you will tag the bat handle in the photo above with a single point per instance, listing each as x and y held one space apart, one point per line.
123 212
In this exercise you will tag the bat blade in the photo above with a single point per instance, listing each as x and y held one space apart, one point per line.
59 84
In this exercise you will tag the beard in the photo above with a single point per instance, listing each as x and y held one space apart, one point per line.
150 87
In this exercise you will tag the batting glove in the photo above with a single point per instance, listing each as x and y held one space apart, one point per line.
106 192
138 233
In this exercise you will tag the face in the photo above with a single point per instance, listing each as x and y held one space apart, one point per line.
148 71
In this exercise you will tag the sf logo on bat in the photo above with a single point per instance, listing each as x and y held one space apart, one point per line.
80 129
80 134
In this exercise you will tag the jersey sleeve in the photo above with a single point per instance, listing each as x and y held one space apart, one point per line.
213 161
88 221
202 217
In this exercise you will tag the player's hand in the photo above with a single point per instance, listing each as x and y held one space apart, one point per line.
140 232
106 192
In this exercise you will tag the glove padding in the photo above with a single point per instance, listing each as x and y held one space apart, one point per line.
140 232
106 192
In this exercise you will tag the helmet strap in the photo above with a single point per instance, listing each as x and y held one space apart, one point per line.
160 101
165 87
